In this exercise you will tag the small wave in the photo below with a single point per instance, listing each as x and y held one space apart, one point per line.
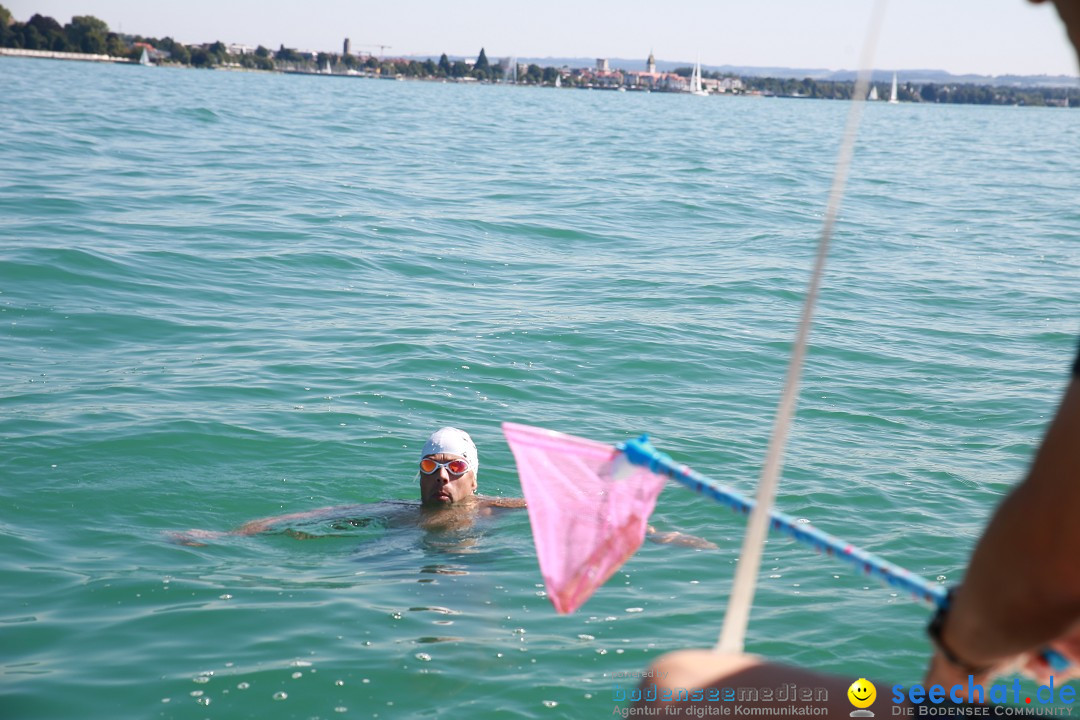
199 114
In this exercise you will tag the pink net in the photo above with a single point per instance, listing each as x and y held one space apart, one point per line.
588 508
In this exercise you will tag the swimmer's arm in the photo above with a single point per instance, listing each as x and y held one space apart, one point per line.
254 527
504 502
336 512
678 538
662 538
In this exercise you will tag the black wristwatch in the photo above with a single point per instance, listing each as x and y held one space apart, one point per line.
936 631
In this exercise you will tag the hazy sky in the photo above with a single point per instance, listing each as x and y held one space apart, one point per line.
990 37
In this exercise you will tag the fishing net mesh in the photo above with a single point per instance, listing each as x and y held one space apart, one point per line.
588 507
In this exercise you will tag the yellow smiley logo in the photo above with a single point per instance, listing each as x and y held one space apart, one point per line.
862 693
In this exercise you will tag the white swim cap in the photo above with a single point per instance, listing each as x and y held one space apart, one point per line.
452 442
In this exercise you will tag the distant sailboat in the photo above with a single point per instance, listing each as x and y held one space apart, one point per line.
695 81
873 93
144 59
558 81
326 69
893 99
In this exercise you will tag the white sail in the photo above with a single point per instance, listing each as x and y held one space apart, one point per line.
893 96
558 81
695 80
873 93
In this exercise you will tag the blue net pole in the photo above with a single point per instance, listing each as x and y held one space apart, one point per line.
641 452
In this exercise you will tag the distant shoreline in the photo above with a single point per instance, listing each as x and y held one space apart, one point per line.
57 55
87 38
755 87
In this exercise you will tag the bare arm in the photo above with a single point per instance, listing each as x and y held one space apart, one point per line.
662 538
1022 589
197 537
263 524
504 502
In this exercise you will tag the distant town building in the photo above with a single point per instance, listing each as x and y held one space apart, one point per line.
652 80
729 84
607 79
604 78
347 47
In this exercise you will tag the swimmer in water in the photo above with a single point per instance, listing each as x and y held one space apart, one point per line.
448 467
449 464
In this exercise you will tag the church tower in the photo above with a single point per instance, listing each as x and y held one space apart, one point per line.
650 64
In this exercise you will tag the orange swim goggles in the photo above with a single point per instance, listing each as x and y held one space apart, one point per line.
429 466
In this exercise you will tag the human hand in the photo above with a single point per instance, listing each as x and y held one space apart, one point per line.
1032 664
946 674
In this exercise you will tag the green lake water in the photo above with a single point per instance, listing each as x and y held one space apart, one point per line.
229 295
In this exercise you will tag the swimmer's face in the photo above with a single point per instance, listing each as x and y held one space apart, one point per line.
443 487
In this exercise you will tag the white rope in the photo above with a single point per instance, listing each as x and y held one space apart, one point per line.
737 617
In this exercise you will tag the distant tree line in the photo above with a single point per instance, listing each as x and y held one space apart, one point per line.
483 70
990 95
969 94
84 34
88 34
687 71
